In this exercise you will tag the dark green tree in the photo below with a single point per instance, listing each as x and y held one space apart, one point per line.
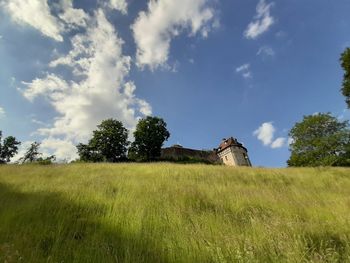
8 148
150 134
109 143
88 154
320 140
345 63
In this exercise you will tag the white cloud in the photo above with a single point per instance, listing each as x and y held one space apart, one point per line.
120 5
266 132
278 143
165 19
96 59
2 113
64 150
71 16
51 86
35 13
245 71
266 51
262 21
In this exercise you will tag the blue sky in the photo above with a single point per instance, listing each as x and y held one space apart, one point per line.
212 69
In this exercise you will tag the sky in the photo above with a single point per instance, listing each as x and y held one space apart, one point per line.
211 69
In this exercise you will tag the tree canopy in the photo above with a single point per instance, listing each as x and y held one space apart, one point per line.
320 140
150 134
345 63
8 148
109 143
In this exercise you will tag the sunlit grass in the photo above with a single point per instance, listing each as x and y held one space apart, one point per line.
173 213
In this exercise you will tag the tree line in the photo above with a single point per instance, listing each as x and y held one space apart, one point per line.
317 140
109 143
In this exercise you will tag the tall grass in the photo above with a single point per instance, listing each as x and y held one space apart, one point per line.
173 213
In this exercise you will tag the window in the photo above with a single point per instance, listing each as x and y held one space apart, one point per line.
226 158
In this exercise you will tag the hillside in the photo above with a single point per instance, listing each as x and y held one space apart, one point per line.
173 213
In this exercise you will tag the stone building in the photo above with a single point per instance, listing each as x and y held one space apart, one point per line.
230 152
233 153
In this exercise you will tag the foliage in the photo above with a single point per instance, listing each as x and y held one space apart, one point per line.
108 143
320 140
345 63
47 160
150 134
8 148
173 213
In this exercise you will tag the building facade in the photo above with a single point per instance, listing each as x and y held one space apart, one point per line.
233 153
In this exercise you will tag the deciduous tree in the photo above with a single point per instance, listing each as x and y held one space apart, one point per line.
150 134
108 143
8 148
320 140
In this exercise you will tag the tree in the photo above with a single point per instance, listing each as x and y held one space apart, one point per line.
320 140
32 153
150 135
34 156
345 63
8 148
88 154
108 143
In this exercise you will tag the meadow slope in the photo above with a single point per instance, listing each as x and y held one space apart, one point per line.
173 213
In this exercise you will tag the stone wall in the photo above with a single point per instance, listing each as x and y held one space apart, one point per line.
179 153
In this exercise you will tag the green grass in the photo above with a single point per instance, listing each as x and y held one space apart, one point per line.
173 213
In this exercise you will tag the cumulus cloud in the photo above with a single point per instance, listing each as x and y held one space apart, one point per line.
266 132
2 113
245 71
153 30
35 13
63 149
261 22
102 92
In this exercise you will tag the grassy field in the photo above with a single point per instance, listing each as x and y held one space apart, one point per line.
173 213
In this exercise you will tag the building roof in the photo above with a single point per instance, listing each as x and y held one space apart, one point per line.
226 143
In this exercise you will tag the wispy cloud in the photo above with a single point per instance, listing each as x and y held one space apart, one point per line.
261 22
266 51
245 71
2 113
154 29
266 133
